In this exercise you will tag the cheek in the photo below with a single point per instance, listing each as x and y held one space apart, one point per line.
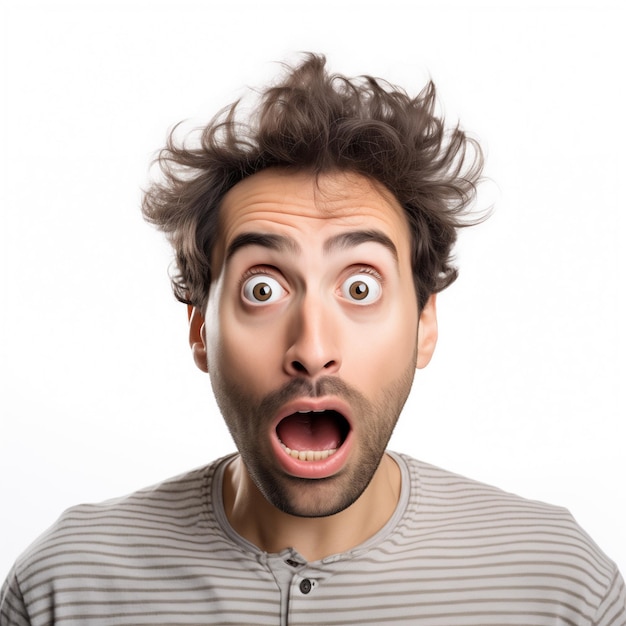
383 349
236 350
245 354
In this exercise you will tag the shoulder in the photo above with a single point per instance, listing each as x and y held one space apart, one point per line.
170 503
452 500
144 529
435 488
501 536
98 550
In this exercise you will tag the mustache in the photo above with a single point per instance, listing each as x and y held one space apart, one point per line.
300 387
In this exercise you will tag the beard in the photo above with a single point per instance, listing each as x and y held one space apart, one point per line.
373 422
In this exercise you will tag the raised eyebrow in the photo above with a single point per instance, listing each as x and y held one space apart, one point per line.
279 243
357 237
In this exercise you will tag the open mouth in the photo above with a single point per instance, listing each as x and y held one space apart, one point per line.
312 435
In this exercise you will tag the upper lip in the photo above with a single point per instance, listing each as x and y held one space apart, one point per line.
313 404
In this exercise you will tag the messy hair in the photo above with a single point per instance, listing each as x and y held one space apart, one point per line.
321 122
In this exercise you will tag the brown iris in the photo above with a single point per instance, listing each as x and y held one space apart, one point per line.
359 290
262 292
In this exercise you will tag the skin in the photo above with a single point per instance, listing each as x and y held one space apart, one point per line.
312 307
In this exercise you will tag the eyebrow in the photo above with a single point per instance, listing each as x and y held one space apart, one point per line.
282 243
355 238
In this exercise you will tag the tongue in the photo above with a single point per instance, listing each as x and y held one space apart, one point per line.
310 431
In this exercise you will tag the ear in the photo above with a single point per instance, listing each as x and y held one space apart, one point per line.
197 340
427 332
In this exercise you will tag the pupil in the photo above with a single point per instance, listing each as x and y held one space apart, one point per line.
262 292
359 290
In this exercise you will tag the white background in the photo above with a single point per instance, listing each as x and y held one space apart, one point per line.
99 394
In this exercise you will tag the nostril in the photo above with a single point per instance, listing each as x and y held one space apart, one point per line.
304 368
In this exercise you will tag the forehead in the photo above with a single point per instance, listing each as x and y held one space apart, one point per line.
304 206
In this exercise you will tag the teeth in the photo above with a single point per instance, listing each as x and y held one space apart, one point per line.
308 455
313 411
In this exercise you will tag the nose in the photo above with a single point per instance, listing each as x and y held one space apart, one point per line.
313 346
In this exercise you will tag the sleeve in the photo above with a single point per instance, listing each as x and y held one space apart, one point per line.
12 607
612 610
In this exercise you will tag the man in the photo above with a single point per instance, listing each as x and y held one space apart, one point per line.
311 241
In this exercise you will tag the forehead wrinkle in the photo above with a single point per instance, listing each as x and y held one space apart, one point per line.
355 238
279 243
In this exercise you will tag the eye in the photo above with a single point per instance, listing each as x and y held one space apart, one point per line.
361 289
262 289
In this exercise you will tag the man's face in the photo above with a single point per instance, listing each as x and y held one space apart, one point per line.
311 333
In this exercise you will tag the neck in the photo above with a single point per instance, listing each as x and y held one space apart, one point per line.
272 530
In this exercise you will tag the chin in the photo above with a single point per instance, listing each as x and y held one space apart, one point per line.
311 498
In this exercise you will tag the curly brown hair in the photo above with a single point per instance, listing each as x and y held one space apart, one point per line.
321 122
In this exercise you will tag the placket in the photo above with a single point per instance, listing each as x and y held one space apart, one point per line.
298 582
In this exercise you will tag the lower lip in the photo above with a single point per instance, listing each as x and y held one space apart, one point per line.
313 470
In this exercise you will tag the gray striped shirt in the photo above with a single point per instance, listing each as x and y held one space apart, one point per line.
455 553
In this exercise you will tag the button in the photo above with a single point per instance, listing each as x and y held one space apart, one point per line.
305 586
292 563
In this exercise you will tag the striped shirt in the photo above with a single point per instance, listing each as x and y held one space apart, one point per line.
455 553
